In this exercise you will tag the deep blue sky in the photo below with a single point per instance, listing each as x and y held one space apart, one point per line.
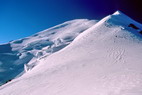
21 18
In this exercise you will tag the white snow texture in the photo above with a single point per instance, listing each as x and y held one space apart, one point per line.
78 57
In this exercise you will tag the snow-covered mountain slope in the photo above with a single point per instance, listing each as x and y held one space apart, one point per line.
27 51
103 60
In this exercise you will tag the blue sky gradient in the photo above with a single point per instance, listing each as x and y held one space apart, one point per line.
21 18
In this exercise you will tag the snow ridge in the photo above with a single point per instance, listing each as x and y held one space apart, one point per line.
105 59
28 51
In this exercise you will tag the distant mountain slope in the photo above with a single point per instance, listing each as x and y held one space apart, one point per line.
27 51
103 60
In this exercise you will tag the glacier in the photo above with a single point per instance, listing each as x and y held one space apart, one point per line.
102 58
26 52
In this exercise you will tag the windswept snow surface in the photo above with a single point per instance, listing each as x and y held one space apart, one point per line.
26 52
103 60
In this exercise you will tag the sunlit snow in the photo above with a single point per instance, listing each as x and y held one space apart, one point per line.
105 59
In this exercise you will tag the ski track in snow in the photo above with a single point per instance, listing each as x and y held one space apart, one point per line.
117 54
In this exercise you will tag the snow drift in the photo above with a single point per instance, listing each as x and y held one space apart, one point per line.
26 52
103 60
